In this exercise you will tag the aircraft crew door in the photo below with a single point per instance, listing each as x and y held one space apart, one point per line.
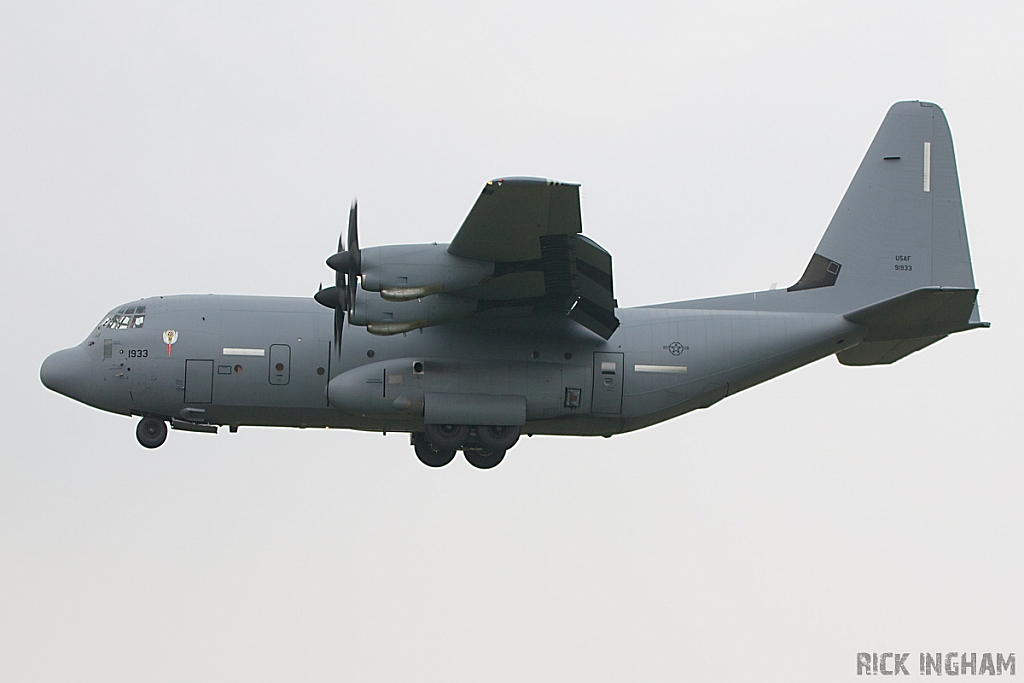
607 384
198 381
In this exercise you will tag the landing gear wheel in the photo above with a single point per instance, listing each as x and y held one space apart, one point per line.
151 432
497 438
428 454
444 437
483 459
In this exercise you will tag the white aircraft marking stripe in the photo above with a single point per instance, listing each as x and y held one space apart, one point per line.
927 167
244 352
676 369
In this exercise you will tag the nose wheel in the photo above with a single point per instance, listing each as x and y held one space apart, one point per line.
151 432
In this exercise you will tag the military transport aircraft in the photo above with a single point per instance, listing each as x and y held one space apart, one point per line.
513 327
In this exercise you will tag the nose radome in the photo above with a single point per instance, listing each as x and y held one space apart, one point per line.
66 372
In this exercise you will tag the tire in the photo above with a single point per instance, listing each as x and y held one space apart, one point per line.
483 459
445 437
428 454
495 438
151 432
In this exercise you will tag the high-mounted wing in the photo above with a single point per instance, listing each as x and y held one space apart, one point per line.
531 229
520 250
512 214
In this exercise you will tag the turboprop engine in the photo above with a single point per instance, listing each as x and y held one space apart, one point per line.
384 317
403 272
405 287
399 288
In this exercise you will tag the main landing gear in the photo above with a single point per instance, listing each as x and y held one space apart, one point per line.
151 432
484 446
429 454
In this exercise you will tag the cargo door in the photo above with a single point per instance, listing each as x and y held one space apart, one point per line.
607 384
198 381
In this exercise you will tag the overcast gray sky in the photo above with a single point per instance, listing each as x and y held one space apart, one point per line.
214 147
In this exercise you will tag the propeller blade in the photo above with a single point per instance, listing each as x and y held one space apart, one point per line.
354 260
339 325
353 232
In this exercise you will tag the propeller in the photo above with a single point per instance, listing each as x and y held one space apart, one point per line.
346 265
349 262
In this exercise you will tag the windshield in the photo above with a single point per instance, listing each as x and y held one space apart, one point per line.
127 318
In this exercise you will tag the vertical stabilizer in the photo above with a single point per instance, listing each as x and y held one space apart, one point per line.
900 226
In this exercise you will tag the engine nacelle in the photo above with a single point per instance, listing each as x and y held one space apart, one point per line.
383 317
403 272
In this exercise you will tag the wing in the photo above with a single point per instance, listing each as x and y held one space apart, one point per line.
511 216
531 229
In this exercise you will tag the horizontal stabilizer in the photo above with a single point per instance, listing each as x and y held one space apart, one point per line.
884 353
899 326
924 312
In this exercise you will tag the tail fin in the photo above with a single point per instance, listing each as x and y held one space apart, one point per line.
900 226
894 259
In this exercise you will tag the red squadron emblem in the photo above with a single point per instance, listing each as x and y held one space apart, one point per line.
170 336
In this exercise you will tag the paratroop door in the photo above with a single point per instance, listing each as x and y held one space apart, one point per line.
280 363
607 384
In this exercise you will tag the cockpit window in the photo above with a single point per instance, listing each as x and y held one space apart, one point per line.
129 317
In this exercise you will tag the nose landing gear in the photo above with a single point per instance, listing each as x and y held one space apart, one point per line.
151 432
483 446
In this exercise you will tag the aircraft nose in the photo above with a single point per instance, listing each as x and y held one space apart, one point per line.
66 372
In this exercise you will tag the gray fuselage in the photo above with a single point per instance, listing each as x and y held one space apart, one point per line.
241 360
